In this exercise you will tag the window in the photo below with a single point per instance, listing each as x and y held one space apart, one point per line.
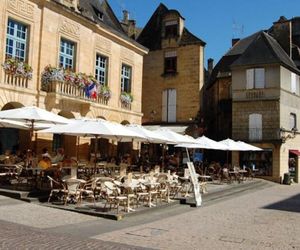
169 105
256 78
16 40
293 83
126 78
170 62
67 54
171 29
255 127
101 69
293 121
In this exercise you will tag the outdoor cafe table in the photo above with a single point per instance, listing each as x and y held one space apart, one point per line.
243 172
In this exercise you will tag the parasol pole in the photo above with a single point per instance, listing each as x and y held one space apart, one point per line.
77 147
188 155
31 134
96 149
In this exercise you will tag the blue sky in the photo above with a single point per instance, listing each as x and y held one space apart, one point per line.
215 21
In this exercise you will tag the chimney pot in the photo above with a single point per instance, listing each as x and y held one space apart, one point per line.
210 65
125 16
234 41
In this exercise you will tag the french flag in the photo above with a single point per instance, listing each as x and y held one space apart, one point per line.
91 91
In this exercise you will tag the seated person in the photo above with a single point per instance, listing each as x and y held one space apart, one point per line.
59 156
45 163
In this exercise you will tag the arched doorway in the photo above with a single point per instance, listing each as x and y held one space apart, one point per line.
13 139
67 142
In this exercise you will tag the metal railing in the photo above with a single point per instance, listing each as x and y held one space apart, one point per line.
72 91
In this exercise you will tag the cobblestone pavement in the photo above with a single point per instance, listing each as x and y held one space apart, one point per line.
14 236
266 219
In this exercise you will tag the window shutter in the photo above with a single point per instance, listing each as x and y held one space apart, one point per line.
255 127
259 78
164 110
250 79
172 105
293 83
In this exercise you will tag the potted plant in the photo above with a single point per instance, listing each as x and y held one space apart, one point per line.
126 98
17 68
105 92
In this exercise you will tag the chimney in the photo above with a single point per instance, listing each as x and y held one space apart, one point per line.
234 41
125 16
210 65
282 32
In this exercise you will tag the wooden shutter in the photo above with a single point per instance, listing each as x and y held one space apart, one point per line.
259 78
250 79
172 105
255 127
293 83
164 110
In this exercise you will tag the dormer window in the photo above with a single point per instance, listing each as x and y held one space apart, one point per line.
100 15
171 29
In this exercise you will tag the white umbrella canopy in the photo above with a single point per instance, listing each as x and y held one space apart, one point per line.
204 143
149 135
12 124
173 137
32 114
232 145
93 128
248 147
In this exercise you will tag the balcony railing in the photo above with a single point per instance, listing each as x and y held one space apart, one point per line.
72 91
256 134
125 105
16 81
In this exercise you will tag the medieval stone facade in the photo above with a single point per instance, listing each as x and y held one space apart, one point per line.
81 36
173 74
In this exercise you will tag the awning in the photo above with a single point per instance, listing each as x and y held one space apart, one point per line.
296 152
178 129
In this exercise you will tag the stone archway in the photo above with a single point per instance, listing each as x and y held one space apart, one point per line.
12 105
13 139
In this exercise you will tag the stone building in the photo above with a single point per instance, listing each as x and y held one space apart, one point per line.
173 74
254 89
81 36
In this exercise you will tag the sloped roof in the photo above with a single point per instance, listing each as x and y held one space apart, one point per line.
264 49
150 36
92 9
188 38
258 48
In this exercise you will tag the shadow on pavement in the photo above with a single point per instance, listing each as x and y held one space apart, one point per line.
291 204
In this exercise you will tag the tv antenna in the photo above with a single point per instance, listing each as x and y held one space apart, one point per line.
237 29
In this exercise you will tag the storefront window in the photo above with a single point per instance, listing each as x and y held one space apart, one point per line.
260 161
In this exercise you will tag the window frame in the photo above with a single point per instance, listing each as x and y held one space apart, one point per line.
100 69
171 29
294 117
16 39
125 77
169 105
258 134
67 56
293 83
170 62
252 80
